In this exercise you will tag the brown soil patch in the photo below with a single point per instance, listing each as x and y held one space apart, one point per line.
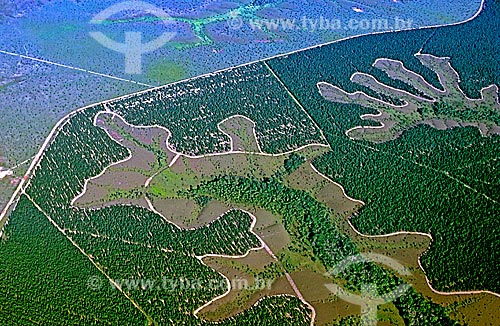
245 292
466 309
211 212
180 211
242 132
324 190
271 230
126 179
101 191
132 174
328 307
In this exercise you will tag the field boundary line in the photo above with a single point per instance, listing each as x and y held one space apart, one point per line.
428 235
380 112
273 256
117 286
419 262
290 94
480 9
176 157
36 158
428 168
73 68
172 150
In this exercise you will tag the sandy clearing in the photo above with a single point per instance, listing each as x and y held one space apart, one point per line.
5 173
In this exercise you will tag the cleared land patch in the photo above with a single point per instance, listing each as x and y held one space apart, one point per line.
122 238
193 110
177 182
440 108
441 182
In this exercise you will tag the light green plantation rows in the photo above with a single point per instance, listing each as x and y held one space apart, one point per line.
125 242
192 110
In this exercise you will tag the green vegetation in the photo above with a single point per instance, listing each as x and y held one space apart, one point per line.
471 47
484 113
175 181
125 242
311 226
293 162
131 242
437 108
426 181
192 111
348 321
441 182
44 278
165 72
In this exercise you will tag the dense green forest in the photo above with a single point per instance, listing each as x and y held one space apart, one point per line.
128 241
44 281
311 226
192 110
442 182
44 278
404 193
124 241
